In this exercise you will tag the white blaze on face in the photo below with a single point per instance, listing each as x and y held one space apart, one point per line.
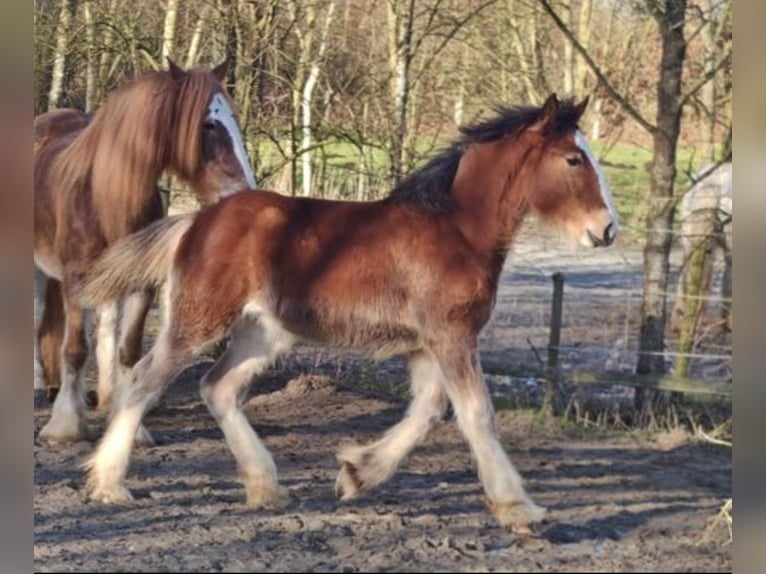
220 110
606 193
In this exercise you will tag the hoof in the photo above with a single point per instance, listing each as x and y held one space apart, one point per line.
361 468
53 433
347 484
519 517
272 497
113 494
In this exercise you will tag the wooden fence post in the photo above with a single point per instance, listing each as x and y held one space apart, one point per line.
551 400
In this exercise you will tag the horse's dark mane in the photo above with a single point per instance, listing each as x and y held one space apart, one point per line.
428 187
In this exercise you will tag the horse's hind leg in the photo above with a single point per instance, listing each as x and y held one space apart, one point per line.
252 348
40 294
106 338
150 376
502 483
67 422
134 311
363 467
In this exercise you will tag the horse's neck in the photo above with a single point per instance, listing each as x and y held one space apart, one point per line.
487 187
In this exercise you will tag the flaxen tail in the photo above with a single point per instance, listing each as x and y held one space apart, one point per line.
136 262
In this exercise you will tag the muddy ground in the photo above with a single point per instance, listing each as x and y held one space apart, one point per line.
622 501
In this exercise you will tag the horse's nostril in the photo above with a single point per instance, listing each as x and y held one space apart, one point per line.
609 234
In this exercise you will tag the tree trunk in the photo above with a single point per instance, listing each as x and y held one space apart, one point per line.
60 55
90 72
169 31
568 71
708 94
193 51
696 275
659 222
308 90
106 51
584 33
400 25
524 46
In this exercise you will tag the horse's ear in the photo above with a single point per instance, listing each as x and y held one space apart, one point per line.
176 72
550 109
580 108
220 70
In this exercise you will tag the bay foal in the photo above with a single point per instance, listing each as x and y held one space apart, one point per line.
415 273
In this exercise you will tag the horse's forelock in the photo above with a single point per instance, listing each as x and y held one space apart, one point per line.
196 91
122 152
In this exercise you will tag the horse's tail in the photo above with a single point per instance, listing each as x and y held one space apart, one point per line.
136 262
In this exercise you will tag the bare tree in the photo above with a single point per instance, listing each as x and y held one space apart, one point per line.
670 17
169 30
67 7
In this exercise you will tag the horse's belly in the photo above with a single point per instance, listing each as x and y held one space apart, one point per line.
378 336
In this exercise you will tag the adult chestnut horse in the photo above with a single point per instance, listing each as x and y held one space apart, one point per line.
95 182
415 273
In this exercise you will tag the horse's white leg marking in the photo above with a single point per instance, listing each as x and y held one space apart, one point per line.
475 416
106 349
109 463
67 422
252 348
40 283
366 466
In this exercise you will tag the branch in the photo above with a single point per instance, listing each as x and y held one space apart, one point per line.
449 36
616 96
705 79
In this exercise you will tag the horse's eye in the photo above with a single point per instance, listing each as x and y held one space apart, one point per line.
574 160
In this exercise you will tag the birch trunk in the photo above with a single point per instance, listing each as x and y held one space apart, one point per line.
169 31
193 51
569 19
584 32
308 90
90 72
60 55
400 25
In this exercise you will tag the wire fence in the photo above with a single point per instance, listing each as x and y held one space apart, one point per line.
601 318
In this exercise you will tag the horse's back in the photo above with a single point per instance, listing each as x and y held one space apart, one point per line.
712 191
59 122
351 274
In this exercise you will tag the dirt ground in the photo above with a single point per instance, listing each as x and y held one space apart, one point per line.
617 501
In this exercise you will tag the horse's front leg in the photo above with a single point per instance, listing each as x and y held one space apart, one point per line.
502 484
67 422
363 467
